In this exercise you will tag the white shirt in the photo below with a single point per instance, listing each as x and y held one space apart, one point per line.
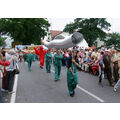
12 65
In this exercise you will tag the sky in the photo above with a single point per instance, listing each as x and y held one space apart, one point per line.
59 23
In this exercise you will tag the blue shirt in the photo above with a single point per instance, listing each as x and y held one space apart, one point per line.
101 60
88 61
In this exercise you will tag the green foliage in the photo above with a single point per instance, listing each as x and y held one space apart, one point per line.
91 28
25 30
2 41
114 38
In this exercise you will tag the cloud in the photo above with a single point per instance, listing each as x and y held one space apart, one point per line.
59 23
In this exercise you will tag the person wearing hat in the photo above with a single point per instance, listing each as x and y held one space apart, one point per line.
48 60
118 60
57 61
107 65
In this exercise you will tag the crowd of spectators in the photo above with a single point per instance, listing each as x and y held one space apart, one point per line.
100 62
8 65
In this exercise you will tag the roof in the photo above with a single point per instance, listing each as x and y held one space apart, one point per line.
54 33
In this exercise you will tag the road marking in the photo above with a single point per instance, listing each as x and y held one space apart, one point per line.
13 96
89 93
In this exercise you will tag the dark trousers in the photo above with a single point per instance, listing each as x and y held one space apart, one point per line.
9 80
109 75
116 75
1 101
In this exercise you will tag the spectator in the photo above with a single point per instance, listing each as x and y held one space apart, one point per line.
91 63
85 66
118 82
101 68
10 71
107 62
3 63
115 66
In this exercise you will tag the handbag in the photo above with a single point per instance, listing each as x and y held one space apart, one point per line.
16 71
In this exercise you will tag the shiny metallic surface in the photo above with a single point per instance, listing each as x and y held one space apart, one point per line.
68 42
77 37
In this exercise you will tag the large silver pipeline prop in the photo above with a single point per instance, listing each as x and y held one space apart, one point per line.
67 42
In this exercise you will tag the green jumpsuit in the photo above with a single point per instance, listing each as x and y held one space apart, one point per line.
29 59
72 81
34 57
48 61
57 65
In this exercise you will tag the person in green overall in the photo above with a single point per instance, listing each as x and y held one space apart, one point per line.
72 79
48 61
34 57
29 59
57 61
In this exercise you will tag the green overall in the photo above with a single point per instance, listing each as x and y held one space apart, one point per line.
57 65
29 60
48 61
72 81
34 57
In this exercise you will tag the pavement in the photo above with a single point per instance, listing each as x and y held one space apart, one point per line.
38 86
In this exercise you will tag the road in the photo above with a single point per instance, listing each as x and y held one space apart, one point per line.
38 86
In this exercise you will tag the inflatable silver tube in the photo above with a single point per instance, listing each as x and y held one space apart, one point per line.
68 42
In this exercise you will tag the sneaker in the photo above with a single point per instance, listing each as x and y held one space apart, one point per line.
41 67
72 95
10 92
115 89
56 80
3 90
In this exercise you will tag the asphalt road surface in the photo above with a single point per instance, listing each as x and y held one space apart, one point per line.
38 86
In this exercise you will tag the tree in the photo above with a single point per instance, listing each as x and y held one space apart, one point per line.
113 38
25 30
91 28
2 41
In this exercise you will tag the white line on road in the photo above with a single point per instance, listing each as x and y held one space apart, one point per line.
13 96
89 93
